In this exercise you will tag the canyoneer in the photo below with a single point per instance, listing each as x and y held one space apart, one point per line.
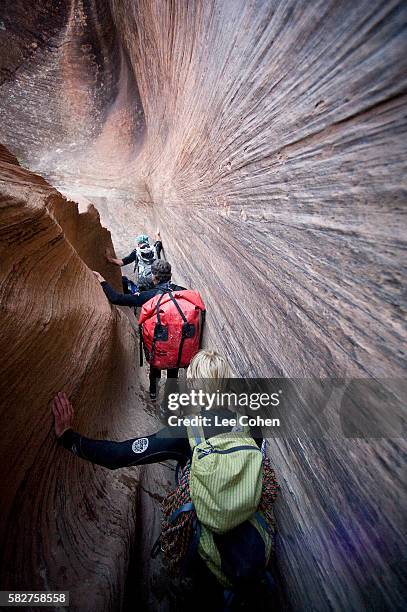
171 322
218 523
143 256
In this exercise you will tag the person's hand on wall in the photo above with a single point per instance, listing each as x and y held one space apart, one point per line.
63 413
98 276
111 259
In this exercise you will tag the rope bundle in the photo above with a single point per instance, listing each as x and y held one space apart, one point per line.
176 537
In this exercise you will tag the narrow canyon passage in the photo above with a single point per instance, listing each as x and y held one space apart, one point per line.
266 139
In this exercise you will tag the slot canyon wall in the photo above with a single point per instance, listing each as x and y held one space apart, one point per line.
62 523
267 141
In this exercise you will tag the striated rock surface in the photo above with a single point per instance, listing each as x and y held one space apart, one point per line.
65 525
267 139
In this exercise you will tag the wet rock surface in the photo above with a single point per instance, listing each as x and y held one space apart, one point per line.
267 140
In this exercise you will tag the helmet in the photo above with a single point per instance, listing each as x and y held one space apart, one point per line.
142 238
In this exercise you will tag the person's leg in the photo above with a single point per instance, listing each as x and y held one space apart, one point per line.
172 373
155 374
203 588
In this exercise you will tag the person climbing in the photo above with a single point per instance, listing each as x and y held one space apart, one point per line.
161 278
219 519
143 256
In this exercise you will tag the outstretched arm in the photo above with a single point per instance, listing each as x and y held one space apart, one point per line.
115 261
158 243
121 262
123 299
160 446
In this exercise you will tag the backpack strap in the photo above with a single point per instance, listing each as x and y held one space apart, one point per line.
203 317
186 329
140 329
157 307
183 317
158 326
195 435
262 522
137 262
184 508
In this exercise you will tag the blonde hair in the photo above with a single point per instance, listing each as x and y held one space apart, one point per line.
209 364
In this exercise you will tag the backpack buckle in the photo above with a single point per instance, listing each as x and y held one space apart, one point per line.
202 452
206 451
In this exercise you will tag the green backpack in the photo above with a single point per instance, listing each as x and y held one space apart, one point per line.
228 482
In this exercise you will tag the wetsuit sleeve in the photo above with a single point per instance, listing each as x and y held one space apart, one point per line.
160 446
130 258
158 245
126 299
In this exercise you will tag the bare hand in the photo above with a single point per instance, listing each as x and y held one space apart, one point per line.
63 413
109 255
98 276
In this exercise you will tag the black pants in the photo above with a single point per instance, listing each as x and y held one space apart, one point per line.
155 375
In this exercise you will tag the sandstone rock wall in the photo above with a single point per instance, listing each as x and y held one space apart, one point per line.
64 524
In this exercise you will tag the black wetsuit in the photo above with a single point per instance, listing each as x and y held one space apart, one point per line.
168 443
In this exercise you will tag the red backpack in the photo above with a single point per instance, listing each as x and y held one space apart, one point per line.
171 326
